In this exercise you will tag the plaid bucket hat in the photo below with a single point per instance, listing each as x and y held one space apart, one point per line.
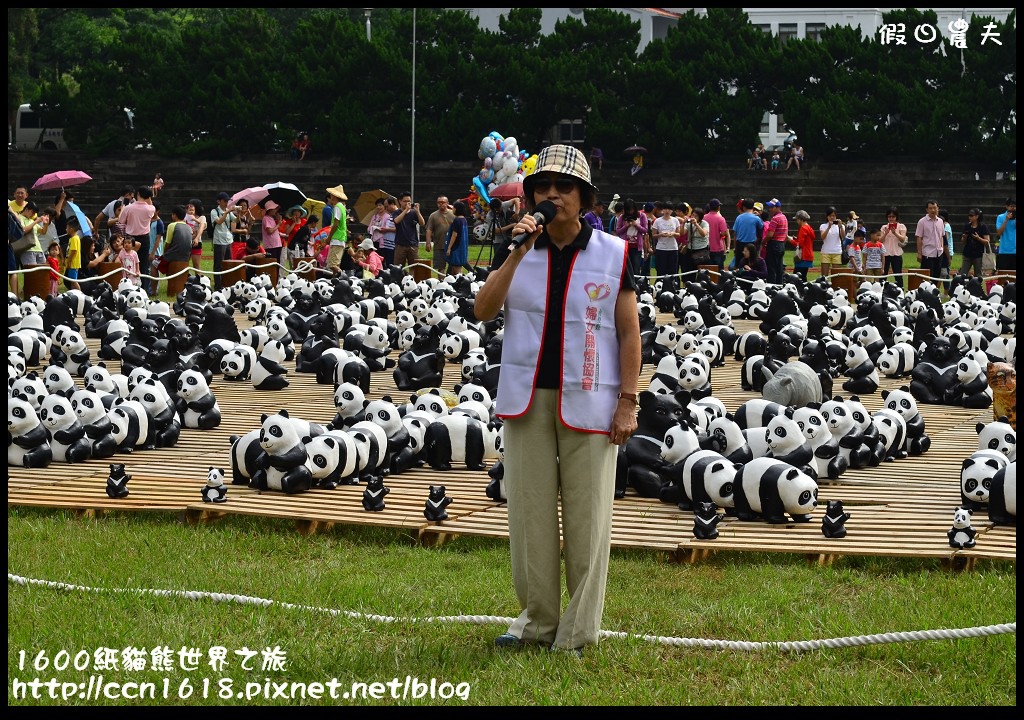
563 159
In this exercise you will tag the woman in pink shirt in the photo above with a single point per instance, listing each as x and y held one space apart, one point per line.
271 227
894 239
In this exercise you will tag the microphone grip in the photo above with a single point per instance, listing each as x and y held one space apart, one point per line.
545 213
518 240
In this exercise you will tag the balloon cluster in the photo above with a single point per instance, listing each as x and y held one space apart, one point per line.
503 162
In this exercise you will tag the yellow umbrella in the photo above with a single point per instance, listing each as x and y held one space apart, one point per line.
314 207
366 201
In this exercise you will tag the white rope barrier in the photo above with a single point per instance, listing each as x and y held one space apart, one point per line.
793 646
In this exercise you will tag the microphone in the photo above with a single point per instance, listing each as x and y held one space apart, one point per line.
543 214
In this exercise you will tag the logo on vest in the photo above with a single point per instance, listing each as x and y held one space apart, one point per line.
591 361
598 292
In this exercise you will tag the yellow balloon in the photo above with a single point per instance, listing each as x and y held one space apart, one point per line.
529 165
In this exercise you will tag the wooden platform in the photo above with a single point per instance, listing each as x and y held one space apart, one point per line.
899 509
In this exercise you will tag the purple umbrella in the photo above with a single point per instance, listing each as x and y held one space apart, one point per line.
61 179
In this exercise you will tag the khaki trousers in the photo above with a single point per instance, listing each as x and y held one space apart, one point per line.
544 459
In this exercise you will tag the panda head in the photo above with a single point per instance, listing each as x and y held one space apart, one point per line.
711 347
416 425
384 413
72 343
453 345
999 436
961 518
858 413
324 453
56 412
812 424
667 336
967 369
475 392
375 337
856 355
473 358
679 442
151 394
192 385
783 434
838 417
97 378
799 492
17 362
890 425
349 399
902 402
693 372
432 403
278 433
88 406
21 417
977 472
31 389
236 363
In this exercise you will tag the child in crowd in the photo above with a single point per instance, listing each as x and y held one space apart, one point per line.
158 184
74 263
124 251
776 160
856 252
253 250
53 260
874 254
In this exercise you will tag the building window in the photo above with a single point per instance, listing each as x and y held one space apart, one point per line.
787 32
766 28
570 132
813 31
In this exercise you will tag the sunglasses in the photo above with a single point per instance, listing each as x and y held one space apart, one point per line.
563 185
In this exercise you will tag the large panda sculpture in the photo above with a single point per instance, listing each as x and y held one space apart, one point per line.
93 415
284 465
708 477
384 413
196 404
132 427
163 415
892 433
767 489
903 402
976 475
828 461
67 435
27 442
459 439
333 459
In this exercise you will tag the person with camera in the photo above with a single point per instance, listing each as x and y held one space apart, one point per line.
632 228
1006 228
500 219
976 242
894 239
407 230
221 219
832 242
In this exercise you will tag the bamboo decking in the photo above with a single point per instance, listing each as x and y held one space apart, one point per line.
902 508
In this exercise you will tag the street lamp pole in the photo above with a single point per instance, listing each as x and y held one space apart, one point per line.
367 11
412 161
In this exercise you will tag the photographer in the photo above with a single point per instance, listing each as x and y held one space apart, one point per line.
39 225
632 228
407 231
500 219
1006 228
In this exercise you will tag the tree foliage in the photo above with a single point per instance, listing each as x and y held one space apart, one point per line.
214 82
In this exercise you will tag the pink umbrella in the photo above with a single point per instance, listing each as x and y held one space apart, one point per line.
254 195
507 191
61 179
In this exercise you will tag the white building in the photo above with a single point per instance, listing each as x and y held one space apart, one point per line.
785 23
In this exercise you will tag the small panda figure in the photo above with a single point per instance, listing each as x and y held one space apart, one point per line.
268 373
437 501
237 363
757 413
108 386
372 345
277 329
999 436
903 402
89 408
892 432
162 412
73 345
665 380
59 381
333 459
27 442
725 436
374 493
828 461
349 400
1002 499
29 388
695 376
196 403
833 525
861 371
215 491
384 413
976 475
708 478
117 481
458 438
897 361
786 442
67 435
705 521
495 489
132 426
373 449
680 442
284 467
712 347
962 534
971 389
768 489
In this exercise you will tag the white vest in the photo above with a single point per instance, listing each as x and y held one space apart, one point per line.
590 347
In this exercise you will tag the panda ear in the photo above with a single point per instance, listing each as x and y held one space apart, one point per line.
885 394
730 417
282 413
789 411
979 427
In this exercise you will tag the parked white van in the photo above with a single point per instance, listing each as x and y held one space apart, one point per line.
28 134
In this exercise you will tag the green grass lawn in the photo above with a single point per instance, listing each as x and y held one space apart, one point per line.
737 597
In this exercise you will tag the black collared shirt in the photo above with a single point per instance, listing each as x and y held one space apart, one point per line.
549 374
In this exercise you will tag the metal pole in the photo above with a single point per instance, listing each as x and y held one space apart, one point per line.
412 160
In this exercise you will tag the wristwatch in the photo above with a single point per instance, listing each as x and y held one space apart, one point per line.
628 396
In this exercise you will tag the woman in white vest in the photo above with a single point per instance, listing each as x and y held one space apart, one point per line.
570 365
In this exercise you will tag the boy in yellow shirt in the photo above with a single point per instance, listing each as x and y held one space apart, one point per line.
74 254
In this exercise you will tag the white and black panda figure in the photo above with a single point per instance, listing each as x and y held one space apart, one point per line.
336 366
903 402
971 388
284 467
196 404
17 364
255 337
29 388
73 345
664 343
349 401
109 386
93 415
215 490
712 347
372 443
892 433
708 477
725 436
786 442
665 380
871 340
277 329
833 525
437 501
66 434
976 475
998 435
897 361
333 459
455 346
33 348
695 376
868 432
161 408
840 422
901 334
372 345
680 441
495 489
769 489
268 373
473 359
28 444
132 426
861 371
962 535
459 439
828 461
384 412
238 362
58 380
757 412
750 343
374 494
117 482
1002 499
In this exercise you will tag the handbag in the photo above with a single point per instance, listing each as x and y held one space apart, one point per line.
23 243
988 261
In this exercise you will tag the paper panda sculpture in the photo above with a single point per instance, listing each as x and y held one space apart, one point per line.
349 400
680 442
725 436
29 388
962 535
786 442
268 373
437 501
132 426
971 389
892 432
767 489
1002 500
59 381
67 435
196 403
117 481
93 416
705 521
976 475
374 493
999 436
903 402
459 439
828 461
284 466
27 442
495 489
162 412
215 491
72 344
384 413
237 363
333 459
897 361
695 376
708 478
863 378
833 525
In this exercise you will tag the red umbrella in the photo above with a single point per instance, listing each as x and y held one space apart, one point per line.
507 191
61 179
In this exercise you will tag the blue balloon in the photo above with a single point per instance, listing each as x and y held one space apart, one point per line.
481 190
